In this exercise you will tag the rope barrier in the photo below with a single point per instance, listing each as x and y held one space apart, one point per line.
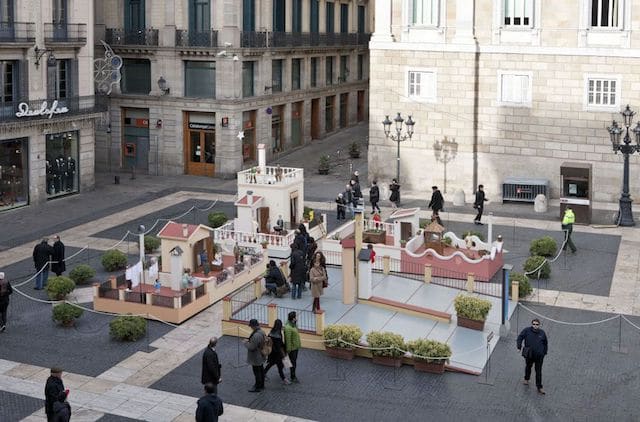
544 261
630 323
572 323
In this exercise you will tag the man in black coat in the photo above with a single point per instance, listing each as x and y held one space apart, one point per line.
534 351
57 265
5 292
298 271
436 204
374 197
273 278
211 365
42 254
52 390
209 405
478 204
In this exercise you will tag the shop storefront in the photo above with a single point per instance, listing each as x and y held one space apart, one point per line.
14 173
277 126
62 163
249 140
200 143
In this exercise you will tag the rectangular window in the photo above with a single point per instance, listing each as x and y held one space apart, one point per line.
6 11
136 76
518 12
295 73
61 163
58 11
328 70
344 18
247 79
425 12
361 19
313 77
515 88
276 75
8 82
199 16
134 15
62 79
602 92
328 113
360 67
314 18
200 79
14 160
330 18
278 15
422 85
296 23
248 15
604 13
344 68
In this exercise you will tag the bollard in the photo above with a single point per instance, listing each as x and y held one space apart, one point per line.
116 180
386 265
226 308
470 282
515 291
427 273
319 322
272 314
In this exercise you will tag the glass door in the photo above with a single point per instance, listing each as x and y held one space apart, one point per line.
6 19
59 11
201 153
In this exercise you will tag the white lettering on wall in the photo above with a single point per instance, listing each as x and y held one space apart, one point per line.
44 110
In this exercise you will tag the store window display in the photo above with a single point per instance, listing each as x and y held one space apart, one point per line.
62 164
14 181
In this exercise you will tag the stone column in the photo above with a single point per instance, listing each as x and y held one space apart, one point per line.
382 30
465 31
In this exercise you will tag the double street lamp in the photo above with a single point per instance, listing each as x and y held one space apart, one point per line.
625 215
398 137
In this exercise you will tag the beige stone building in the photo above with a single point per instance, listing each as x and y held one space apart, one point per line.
47 106
205 81
522 86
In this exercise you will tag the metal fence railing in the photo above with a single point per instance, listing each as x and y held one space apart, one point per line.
306 320
165 301
185 38
105 291
199 292
121 36
251 310
135 297
17 32
186 298
333 258
65 33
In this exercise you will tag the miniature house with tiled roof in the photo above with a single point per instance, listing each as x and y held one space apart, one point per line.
194 240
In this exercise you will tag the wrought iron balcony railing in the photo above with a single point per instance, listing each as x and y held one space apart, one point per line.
119 36
301 39
17 32
28 110
65 33
185 38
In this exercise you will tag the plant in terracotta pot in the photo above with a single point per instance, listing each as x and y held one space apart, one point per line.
391 347
471 311
339 340
66 314
429 355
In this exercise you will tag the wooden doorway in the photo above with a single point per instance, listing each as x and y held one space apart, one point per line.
405 231
293 208
344 110
360 106
315 118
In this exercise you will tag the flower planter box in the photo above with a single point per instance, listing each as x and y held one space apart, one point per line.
430 367
470 323
387 361
374 237
340 353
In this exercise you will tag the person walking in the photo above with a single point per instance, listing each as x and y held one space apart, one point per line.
42 254
211 365
374 197
5 292
61 409
255 358
348 198
357 191
341 205
534 351
52 390
394 187
568 219
209 405
297 271
478 204
436 204
57 260
278 351
292 343
319 280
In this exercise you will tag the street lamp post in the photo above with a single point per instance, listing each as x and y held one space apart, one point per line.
398 137
625 214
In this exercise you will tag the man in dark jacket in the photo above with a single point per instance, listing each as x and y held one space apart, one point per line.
273 279
374 197
61 409
5 291
436 204
298 271
534 351
478 204
209 405
57 265
42 254
341 205
211 365
52 390
255 358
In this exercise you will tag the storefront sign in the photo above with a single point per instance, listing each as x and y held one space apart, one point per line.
25 111
202 126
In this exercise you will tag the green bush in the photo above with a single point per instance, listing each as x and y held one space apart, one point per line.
324 164
354 150
333 334
128 327
151 243
429 349
447 241
66 313
533 262
217 219
472 307
306 213
524 288
472 233
82 273
386 339
59 287
114 260
545 246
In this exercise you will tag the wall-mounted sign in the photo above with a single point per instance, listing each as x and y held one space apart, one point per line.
225 122
202 126
44 110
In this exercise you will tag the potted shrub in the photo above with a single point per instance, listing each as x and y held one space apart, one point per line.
382 340
264 244
339 340
374 236
545 246
66 314
217 219
82 273
524 288
59 287
323 165
151 243
471 311
538 267
429 355
128 327
354 150
447 241
113 260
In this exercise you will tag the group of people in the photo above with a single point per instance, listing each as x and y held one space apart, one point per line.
437 204
45 254
347 201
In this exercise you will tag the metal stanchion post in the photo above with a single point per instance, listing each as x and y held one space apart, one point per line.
238 365
339 376
487 381
394 386
620 349
148 348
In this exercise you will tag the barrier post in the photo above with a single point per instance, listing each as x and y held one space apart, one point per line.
272 314
470 282
226 308
427 273
386 265
257 288
515 291
319 322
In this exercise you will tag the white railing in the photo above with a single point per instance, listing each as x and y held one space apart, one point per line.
379 225
270 175
227 233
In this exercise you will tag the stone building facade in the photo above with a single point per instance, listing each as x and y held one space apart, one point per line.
206 81
47 106
520 86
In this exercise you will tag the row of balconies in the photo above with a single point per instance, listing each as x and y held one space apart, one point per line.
54 33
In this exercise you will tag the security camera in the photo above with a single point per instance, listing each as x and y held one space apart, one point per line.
228 44
235 58
222 53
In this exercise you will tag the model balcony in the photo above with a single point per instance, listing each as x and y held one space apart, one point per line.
74 34
302 39
38 110
14 34
207 39
131 37
270 175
